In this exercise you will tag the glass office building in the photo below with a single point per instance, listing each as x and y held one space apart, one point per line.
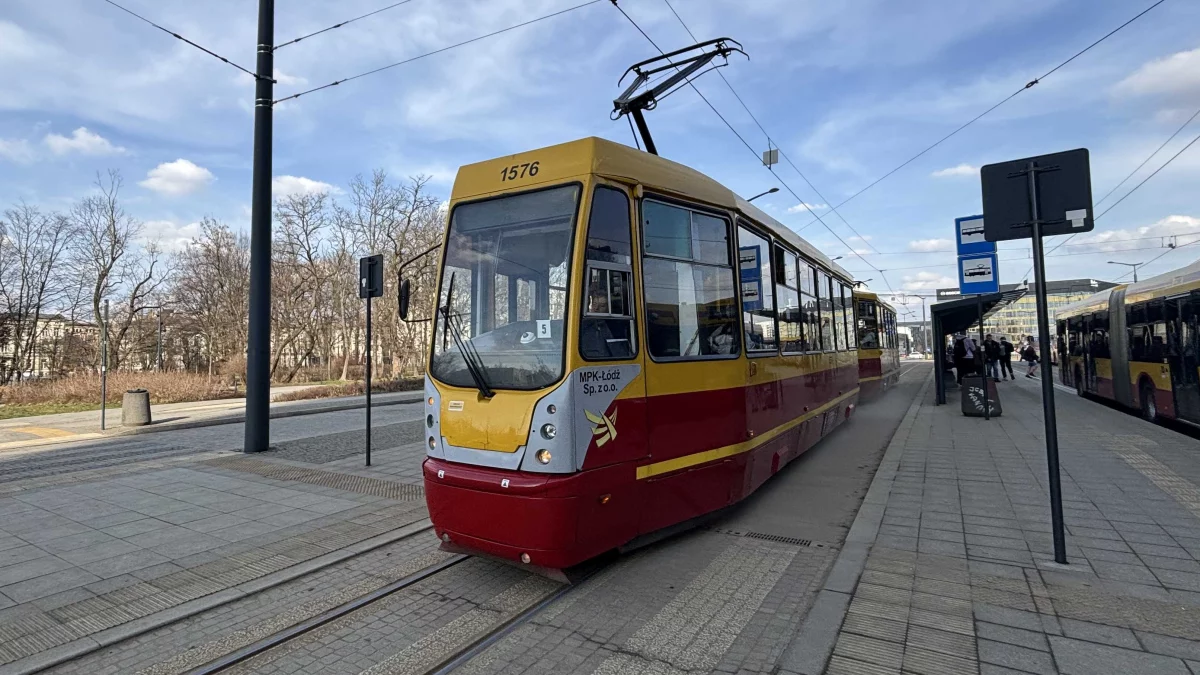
1019 319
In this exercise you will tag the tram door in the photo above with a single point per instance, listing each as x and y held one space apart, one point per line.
1183 357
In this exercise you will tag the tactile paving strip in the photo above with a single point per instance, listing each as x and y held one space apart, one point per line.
341 481
1179 488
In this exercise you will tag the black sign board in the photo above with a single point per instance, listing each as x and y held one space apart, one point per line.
370 276
1063 191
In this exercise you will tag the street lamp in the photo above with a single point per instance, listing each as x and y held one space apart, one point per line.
1133 265
768 192
864 282
836 257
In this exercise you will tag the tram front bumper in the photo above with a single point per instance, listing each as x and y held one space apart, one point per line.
503 514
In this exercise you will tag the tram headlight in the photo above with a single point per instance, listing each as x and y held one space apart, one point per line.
432 443
549 432
429 421
551 408
544 456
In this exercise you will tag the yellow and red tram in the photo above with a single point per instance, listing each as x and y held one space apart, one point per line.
621 344
878 344
1137 345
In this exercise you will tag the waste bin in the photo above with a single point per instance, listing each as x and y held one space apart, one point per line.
135 408
972 396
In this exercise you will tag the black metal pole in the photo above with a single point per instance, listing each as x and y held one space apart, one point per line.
644 130
103 364
258 352
982 351
368 378
1043 318
158 359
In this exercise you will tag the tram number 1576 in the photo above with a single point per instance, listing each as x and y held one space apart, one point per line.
519 171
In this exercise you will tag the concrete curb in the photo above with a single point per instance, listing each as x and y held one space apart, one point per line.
810 650
85 645
237 418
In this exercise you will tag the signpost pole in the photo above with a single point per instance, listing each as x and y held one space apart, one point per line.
103 364
982 352
368 378
1039 275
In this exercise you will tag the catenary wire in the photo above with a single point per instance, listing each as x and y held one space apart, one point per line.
439 51
1028 85
770 141
1156 258
1130 175
339 25
180 37
1088 243
748 146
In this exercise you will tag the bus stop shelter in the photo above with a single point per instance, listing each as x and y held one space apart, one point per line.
957 316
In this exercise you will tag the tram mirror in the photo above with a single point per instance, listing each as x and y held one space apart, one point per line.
403 296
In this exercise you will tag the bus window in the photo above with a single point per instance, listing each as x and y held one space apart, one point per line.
688 282
606 329
791 330
758 301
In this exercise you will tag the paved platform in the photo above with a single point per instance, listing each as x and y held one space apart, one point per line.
92 555
948 567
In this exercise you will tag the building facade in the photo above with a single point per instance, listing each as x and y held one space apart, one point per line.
1019 319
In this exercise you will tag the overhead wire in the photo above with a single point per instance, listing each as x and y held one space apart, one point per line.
1157 257
180 37
770 141
1028 85
744 142
438 51
339 25
1071 254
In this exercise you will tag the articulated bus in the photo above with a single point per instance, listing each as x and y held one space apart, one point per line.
621 344
878 344
1138 345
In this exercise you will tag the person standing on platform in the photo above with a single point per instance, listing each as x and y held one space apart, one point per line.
1030 356
991 357
1006 352
964 356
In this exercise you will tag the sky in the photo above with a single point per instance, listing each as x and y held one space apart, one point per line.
847 90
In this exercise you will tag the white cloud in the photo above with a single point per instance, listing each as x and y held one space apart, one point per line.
169 235
1174 229
960 170
16 150
928 281
930 245
1176 74
284 186
800 208
83 141
867 237
176 178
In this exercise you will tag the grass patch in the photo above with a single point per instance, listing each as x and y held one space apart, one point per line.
8 412
85 390
352 389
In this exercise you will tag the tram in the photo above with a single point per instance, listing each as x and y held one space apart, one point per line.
620 345
878 344
1137 345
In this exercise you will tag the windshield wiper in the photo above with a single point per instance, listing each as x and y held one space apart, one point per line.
470 355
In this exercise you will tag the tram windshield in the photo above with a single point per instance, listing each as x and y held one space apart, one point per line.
868 325
503 292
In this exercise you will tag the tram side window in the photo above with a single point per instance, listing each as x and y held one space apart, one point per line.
810 316
848 317
607 329
825 301
839 314
868 325
791 331
758 302
688 281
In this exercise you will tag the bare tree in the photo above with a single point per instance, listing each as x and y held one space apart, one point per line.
210 289
32 246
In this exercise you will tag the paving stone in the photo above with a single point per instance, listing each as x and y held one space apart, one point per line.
1016 657
1095 632
1075 657
1170 646
48 584
1013 636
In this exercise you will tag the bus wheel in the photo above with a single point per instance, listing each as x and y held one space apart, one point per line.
1149 406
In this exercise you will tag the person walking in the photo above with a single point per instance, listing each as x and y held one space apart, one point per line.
991 356
1030 357
964 356
1006 352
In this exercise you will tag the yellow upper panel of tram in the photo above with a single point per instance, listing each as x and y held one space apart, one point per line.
558 164
868 295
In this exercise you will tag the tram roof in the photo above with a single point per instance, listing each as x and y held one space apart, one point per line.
872 295
615 160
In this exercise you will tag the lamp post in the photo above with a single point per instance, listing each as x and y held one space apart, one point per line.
1135 267
768 192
